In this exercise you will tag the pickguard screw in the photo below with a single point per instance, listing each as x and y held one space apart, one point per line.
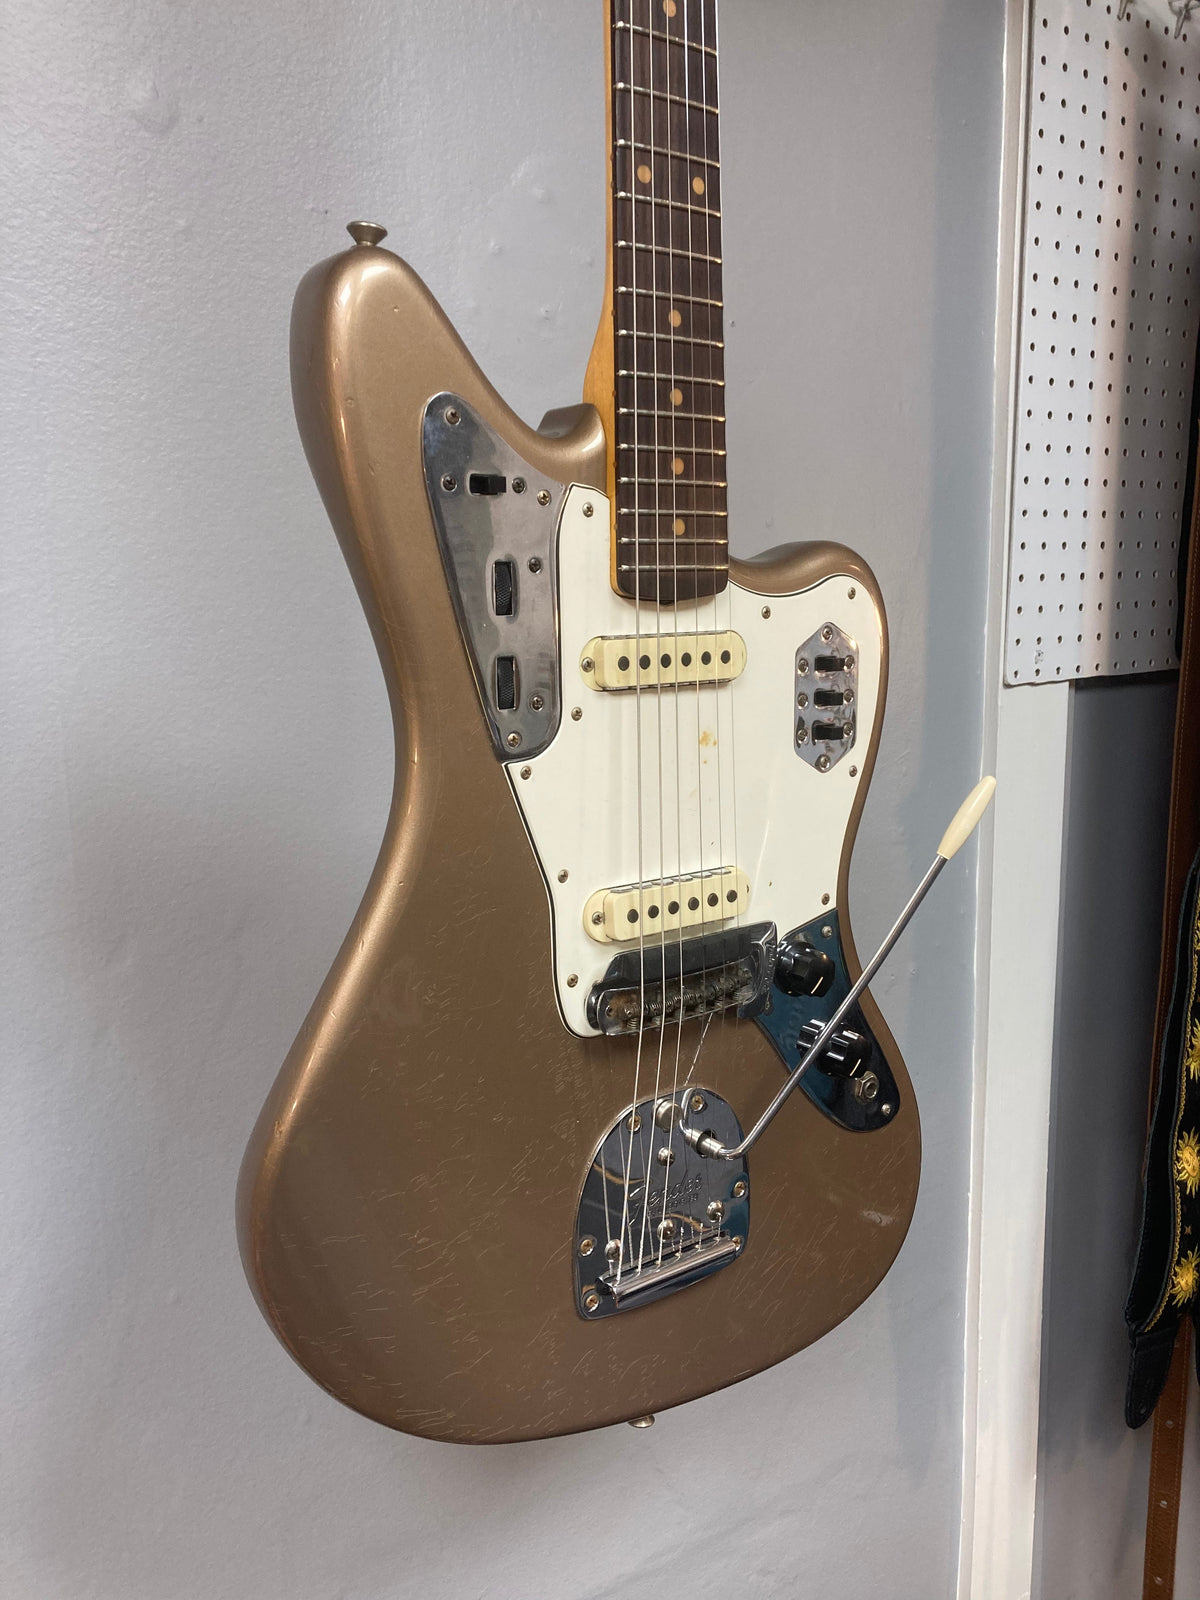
698 1102
740 1189
535 564
827 633
597 918
562 877
576 713
633 1123
543 497
591 1301
588 508
642 1422
536 702
802 665
513 740
854 772
586 1246
715 1210
519 485
824 899
850 593
885 1109
587 665
665 1156
827 932
449 483
766 611
527 772
452 417
823 763
572 980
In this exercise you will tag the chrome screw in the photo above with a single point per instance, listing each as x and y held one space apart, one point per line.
452 417
597 918
527 772
586 1246
543 497
740 1189
591 1301
716 1210
801 700
802 665
535 564
633 1123
642 1422
827 933
827 633
519 486
666 1229
698 1102
449 483
536 702
854 772
801 734
572 980
513 740
766 611
849 664
587 665
886 1109
738 1241
613 1249
824 899
576 713
665 1156
850 593
823 763
562 877
588 508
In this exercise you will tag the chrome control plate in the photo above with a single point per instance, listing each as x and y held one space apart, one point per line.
496 521
685 1218
826 703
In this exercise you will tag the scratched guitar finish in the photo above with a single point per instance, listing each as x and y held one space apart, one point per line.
496 1192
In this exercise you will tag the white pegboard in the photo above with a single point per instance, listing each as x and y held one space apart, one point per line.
1110 309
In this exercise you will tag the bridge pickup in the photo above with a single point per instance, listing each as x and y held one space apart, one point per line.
663 661
639 911
689 1265
663 983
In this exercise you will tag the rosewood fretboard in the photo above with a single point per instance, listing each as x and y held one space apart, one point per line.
671 518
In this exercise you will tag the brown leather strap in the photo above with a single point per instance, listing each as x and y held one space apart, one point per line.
1166 1470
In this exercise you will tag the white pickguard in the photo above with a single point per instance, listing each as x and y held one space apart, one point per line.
719 782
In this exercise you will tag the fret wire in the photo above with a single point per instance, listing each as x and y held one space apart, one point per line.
650 33
674 416
691 566
676 205
681 377
663 94
688 450
664 294
671 155
669 250
679 338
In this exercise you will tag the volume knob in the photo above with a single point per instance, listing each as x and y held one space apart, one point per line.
801 970
366 232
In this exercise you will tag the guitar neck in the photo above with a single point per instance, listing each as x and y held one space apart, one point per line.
658 372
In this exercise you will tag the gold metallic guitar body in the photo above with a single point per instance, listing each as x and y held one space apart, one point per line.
475 1206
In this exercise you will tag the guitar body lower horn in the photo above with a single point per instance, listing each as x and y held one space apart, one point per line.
407 1205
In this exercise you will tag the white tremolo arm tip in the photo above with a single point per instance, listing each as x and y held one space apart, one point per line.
966 818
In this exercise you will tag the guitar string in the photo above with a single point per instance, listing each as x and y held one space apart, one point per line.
632 1124
675 536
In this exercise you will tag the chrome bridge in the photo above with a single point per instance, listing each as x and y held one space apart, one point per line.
655 1216
665 980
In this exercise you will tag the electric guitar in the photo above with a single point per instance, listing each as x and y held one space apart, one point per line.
501 1189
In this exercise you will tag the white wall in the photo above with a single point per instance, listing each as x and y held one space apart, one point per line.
197 752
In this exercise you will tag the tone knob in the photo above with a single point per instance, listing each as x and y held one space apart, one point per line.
366 232
800 969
